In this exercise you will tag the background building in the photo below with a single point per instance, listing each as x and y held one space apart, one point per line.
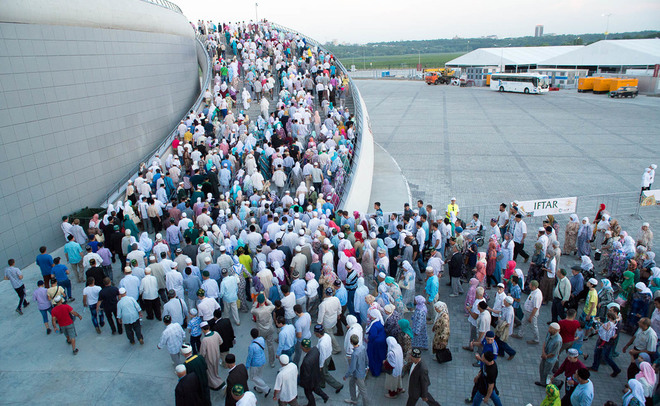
89 88
538 31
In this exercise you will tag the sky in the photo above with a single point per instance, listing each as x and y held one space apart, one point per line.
362 21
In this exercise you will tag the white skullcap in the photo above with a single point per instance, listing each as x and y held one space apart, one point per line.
382 275
184 215
57 299
186 349
179 369
159 236
509 299
554 326
188 261
206 260
122 291
349 265
284 359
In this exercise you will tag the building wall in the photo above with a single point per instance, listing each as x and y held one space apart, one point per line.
79 107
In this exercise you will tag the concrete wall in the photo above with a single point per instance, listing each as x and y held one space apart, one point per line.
80 106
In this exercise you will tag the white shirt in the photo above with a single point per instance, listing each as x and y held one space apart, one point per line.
174 281
287 382
175 308
89 256
288 302
132 285
475 309
312 289
325 348
248 399
551 267
206 307
211 289
499 303
92 293
533 301
329 310
519 230
149 287
507 316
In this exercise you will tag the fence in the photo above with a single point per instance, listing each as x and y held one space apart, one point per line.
205 64
166 4
410 74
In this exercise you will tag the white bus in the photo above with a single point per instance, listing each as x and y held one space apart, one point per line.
519 82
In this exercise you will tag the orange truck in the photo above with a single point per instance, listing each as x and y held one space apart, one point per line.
436 76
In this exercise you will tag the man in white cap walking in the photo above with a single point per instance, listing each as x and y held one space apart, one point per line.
549 355
286 383
129 314
172 338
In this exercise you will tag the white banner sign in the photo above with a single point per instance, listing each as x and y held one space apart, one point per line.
562 205
650 197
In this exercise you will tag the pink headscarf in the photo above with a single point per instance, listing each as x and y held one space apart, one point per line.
510 269
646 372
472 292
481 272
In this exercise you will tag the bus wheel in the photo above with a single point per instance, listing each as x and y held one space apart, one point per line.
501 88
527 90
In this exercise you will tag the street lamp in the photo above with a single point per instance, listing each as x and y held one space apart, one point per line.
256 11
607 25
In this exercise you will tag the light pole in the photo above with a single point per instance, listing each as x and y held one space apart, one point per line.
256 11
607 24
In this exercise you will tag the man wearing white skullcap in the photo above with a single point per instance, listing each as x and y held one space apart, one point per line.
188 390
549 354
129 313
286 382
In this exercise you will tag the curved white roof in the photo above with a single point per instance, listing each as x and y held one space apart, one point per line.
621 52
511 55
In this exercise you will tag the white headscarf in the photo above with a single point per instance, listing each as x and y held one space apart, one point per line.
394 356
145 244
375 316
586 263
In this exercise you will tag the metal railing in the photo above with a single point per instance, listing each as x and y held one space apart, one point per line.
164 3
361 117
120 186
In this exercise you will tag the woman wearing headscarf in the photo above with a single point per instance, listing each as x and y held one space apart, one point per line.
570 235
584 237
480 273
440 328
536 266
383 298
552 397
395 293
393 384
647 378
145 244
628 245
491 262
509 271
605 297
242 274
420 339
376 344
392 318
634 394
645 236
407 284
405 339
627 287
130 225
616 263
94 223
648 263
602 226
471 294
638 307
354 328
360 305
128 210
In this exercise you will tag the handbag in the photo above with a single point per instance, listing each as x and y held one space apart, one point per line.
387 368
331 365
502 330
443 356
185 316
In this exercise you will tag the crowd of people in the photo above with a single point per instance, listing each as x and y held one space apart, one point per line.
243 217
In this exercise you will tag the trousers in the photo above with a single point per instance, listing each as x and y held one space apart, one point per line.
259 384
358 383
133 328
533 326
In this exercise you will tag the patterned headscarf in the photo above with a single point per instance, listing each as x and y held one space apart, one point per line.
551 396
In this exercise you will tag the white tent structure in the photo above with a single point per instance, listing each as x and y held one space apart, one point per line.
614 56
511 58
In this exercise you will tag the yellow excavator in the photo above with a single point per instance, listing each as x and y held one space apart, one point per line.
437 76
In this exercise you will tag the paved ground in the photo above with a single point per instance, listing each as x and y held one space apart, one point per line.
483 147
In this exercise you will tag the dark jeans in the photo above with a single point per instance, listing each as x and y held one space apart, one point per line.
604 352
504 348
195 342
97 317
66 285
152 307
478 397
162 293
351 301
412 401
20 291
109 314
519 248
558 311
309 394
133 328
107 271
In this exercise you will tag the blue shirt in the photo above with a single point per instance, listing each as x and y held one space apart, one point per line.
583 394
193 325
358 365
128 310
73 250
59 271
515 293
577 284
342 295
45 263
287 339
298 288
256 354
432 287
